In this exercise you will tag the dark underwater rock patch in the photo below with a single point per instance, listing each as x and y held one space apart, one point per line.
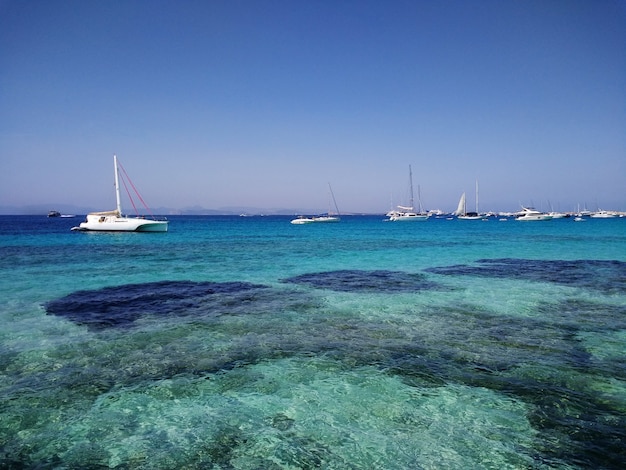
603 275
352 280
120 306
539 360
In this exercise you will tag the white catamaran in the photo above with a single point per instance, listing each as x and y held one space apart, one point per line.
405 213
115 221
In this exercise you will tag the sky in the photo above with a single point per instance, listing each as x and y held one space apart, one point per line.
264 103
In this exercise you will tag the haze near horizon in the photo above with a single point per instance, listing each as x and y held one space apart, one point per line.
262 104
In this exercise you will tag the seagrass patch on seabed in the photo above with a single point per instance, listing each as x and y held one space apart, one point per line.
603 275
120 306
354 280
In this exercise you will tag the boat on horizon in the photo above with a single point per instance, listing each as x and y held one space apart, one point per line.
461 210
115 221
329 217
602 214
301 220
407 213
529 214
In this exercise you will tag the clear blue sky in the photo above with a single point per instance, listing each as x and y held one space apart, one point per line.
219 103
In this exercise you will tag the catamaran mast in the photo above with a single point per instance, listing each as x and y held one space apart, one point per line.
117 187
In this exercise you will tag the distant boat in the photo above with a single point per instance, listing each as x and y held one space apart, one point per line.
408 214
461 210
58 214
556 214
530 214
314 219
329 217
602 214
115 221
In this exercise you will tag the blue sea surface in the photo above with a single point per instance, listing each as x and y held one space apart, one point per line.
251 343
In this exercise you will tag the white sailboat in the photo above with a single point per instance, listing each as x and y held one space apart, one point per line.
408 214
324 218
461 211
115 221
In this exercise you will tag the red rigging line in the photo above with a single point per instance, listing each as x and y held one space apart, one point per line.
126 177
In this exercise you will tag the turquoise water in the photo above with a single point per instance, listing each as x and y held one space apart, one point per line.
251 343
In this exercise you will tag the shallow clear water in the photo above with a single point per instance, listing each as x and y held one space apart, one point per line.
248 343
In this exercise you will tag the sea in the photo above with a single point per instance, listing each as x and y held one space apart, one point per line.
250 343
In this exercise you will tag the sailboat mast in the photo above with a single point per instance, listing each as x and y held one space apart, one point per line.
117 187
333 196
411 186
477 197
419 199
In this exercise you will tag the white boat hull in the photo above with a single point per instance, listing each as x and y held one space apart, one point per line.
603 215
534 218
314 220
112 223
408 218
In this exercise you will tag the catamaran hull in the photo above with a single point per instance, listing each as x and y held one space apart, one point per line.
117 228
121 224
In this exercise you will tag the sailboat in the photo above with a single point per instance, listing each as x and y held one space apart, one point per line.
115 221
324 218
404 213
461 210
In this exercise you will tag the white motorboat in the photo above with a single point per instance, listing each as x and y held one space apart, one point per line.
530 214
115 221
602 214
407 213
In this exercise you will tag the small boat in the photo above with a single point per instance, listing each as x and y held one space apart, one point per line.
54 214
323 218
407 213
115 221
530 214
